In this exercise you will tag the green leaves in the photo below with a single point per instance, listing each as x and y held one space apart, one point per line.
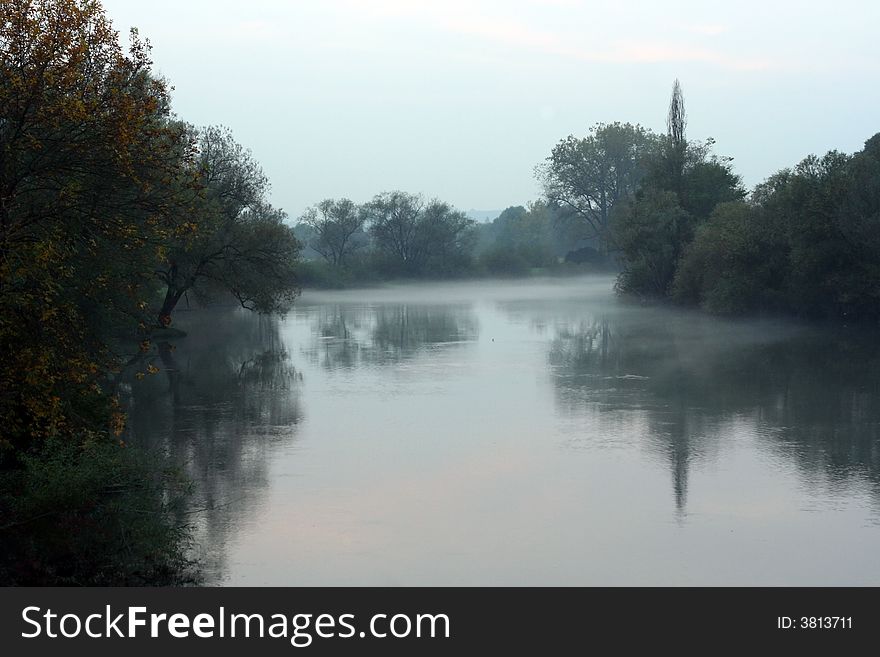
588 176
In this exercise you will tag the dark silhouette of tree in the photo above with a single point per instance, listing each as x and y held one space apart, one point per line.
238 243
676 146
87 150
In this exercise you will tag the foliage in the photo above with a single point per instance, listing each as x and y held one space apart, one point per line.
239 243
587 177
336 225
707 183
359 270
416 237
683 185
99 186
521 239
88 156
649 232
508 262
808 244
406 237
93 512
735 264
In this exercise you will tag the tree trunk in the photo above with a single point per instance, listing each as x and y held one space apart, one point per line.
172 296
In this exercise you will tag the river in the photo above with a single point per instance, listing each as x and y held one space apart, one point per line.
534 432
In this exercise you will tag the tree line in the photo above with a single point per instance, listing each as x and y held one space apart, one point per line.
408 234
400 235
681 225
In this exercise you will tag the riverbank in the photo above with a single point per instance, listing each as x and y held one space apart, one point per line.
315 274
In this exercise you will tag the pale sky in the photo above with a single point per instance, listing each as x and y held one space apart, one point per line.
461 99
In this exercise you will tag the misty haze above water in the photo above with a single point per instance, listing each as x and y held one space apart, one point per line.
527 432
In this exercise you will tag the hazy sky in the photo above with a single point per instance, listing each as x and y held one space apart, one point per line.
461 99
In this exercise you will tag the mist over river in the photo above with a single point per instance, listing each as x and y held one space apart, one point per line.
534 432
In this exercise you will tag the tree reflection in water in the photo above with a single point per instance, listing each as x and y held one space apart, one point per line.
349 336
810 395
224 400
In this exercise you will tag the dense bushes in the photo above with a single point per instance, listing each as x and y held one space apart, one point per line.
649 232
734 264
807 243
93 512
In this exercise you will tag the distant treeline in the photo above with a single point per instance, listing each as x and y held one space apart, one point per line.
399 235
668 214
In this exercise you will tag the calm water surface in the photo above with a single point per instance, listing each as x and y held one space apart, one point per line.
533 432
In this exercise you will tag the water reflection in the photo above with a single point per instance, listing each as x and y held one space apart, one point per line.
222 401
809 395
347 336
520 433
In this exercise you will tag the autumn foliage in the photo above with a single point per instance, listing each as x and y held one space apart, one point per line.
89 169
107 203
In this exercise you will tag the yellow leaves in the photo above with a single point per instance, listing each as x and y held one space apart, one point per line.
117 423
186 232
46 253
84 243
151 369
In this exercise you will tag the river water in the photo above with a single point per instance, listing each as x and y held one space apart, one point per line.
537 432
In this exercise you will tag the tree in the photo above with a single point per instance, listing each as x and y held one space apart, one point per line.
335 225
860 207
708 181
239 243
588 176
831 269
684 183
808 243
394 225
735 264
650 232
700 179
522 239
676 145
447 237
418 237
87 156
